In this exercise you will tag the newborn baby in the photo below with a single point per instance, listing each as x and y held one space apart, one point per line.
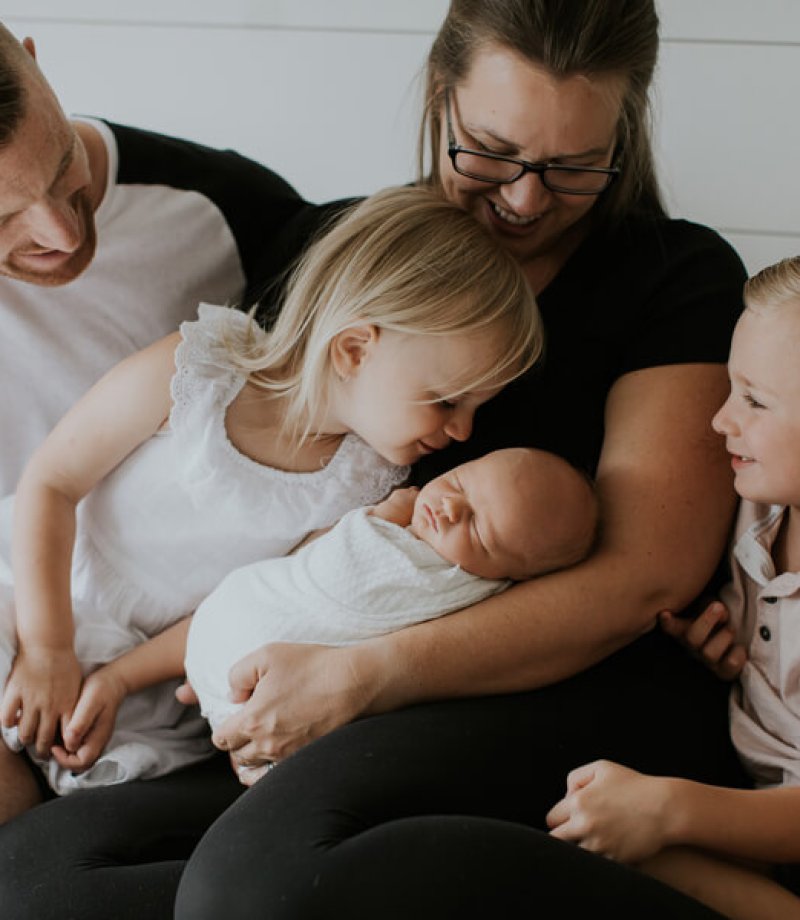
510 515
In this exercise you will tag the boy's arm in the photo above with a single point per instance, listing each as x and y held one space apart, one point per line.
631 816
120 412
89 727
735 891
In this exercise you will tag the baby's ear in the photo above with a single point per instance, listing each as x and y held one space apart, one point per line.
351 348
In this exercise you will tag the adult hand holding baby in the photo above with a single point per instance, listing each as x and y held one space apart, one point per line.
292 694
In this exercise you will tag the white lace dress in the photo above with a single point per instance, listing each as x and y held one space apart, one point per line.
162 530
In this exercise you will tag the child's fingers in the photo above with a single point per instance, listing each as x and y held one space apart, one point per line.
10 709
558 814
80 722
46 732
731 665
64 758
185 694
701 628
673 626
28 724
717 646
581 776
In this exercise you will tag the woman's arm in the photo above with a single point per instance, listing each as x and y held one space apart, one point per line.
120 412
666 506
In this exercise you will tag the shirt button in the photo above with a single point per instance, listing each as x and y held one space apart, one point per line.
765 634
770 600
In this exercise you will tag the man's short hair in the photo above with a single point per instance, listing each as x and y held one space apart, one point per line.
12 90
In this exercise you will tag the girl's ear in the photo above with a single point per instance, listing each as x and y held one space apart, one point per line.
351 348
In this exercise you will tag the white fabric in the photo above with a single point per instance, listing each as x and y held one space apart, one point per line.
159 533
151 269
364 578
765 614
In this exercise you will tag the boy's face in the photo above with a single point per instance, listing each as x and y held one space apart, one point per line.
761 417
470 517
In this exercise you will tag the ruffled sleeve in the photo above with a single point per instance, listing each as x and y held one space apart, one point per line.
205 378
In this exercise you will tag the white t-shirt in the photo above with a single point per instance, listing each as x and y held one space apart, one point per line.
175 227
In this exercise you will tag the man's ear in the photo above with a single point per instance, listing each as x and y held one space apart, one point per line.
351 348
29 46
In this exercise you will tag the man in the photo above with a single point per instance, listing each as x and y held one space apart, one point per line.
109 238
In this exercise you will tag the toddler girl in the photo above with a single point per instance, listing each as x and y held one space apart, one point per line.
742 837
222 445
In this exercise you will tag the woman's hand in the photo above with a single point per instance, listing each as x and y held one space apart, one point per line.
292 694
613 811
41 691
86 732
709 638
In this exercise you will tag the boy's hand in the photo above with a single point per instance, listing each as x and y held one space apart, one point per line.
87 730
613 811
40 692
709 638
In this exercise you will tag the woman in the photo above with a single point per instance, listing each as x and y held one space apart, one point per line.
537 124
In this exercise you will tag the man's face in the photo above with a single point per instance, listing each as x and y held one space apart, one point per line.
47 231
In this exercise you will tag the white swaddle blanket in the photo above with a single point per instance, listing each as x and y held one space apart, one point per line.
363 578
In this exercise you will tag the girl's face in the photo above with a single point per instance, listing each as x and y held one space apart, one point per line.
508 106
761 418
396 394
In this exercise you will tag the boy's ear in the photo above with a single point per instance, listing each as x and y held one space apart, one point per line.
351 348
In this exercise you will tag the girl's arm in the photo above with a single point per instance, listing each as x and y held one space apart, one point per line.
88 729
120 412
664 485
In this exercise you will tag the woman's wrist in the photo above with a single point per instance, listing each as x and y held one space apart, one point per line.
383 674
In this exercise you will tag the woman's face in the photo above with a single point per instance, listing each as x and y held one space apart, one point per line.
507 105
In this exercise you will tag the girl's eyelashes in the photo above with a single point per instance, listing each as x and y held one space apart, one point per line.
448 403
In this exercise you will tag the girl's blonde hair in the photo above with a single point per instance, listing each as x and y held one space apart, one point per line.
404 260
774 285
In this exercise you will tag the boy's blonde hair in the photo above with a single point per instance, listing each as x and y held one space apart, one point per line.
774 285
404 260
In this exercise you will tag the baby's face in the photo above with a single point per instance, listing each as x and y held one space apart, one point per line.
469 516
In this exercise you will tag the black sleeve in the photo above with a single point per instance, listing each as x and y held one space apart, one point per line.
256 202
280 253
690 295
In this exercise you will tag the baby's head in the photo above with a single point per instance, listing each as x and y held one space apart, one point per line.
761 417
514 513
408 277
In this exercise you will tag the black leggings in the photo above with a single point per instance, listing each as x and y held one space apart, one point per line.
435 811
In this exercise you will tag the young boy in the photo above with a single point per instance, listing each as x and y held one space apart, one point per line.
752 834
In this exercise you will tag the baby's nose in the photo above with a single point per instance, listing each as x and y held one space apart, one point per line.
451 508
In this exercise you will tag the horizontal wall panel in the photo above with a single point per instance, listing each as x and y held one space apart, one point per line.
335 113
381 15
710 20
759 251
728 20
728 139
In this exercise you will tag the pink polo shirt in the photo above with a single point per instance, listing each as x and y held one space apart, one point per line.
765 613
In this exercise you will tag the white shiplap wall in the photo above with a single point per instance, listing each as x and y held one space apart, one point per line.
326 92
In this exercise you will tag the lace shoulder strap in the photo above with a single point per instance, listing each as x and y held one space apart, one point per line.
204 368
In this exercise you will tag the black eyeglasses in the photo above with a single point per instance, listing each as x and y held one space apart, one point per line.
501 170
